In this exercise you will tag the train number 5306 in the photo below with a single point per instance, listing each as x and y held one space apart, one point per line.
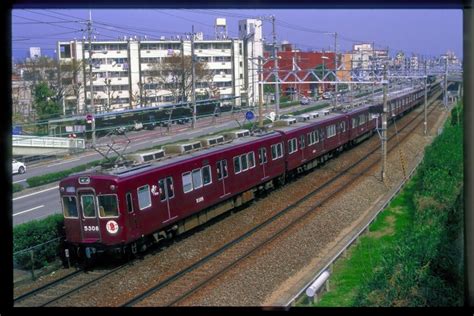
91 228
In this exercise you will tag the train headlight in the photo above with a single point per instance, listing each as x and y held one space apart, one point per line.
112 187
61 189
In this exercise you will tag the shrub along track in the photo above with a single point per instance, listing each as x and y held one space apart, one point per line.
169 264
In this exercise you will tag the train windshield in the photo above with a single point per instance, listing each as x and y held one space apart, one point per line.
69 206
108 205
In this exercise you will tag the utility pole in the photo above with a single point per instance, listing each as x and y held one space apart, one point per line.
260 93
426 101
373 69
193 78
335 68
446 82
384 123
275 71
89 35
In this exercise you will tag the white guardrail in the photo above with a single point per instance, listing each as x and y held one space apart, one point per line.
49 142
354 238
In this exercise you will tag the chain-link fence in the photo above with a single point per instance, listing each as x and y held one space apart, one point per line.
37 260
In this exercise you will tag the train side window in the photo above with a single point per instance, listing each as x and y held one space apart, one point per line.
251 159
302 144
197 178
128 198
206 175
237 165
70 206
88 206
221 169
244 163
161 185
187 182
292 146
144 198
277 151
262 155
170 187
331 130
355 122
342 127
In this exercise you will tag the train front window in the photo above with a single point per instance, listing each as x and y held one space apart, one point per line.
108 205
88 207
69 206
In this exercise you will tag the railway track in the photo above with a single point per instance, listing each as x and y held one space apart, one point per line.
67 285
175 289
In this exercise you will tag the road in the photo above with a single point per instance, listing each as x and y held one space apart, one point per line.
45 201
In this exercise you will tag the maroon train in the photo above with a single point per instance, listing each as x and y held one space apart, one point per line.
124 211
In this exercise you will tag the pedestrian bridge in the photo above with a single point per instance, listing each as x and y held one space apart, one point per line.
26 145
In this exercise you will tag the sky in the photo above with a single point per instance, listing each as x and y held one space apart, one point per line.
426 32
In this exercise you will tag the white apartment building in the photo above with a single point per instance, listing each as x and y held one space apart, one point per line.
251 33
126 65
414 63
121 70
365 58
35 52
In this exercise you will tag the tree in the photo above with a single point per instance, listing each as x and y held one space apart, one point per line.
321 71
174 74
70 83
45 103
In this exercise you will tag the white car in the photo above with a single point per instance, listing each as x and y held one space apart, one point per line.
304 101
18 167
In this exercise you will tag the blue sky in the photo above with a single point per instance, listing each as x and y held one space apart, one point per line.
428 32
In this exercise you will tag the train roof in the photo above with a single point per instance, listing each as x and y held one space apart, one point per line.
172 159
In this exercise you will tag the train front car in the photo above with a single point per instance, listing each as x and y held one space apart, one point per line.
92 218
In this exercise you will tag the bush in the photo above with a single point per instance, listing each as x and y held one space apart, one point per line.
17 187
35 233
426 267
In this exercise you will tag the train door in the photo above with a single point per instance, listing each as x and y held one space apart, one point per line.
262 159
133 223
89 222
302 146
166 190
222 174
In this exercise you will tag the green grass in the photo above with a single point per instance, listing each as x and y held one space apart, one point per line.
348 273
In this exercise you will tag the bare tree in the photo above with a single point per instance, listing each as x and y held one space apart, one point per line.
70 80
174 74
